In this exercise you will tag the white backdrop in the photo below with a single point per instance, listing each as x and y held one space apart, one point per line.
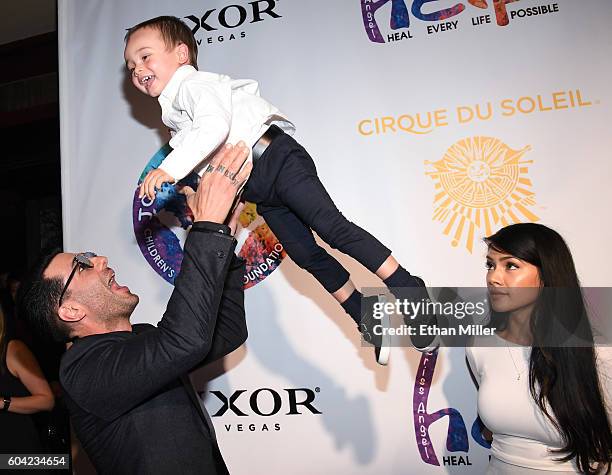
388 124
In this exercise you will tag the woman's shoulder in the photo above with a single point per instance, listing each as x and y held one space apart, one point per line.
603 351
17 348
479 344
603 356
17 354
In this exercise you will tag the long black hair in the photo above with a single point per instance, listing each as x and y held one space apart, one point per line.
563 378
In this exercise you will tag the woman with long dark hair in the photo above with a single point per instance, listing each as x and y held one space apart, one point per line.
544 387
23 391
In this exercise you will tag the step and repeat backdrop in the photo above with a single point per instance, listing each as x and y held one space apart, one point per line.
433 123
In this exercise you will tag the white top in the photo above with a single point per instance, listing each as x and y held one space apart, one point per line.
205 110
522 435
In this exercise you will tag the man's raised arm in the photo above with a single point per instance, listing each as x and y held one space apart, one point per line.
129 370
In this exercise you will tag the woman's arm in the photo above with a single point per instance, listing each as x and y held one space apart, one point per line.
475 373
472 364
23 365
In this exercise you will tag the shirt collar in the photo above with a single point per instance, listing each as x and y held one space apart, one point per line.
171 89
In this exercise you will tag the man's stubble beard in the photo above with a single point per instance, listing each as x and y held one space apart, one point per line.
110 309
122 311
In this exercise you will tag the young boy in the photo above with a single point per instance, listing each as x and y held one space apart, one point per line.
206 110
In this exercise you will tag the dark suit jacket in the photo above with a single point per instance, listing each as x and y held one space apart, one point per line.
131 404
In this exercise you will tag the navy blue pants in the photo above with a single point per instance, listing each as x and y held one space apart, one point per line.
293 202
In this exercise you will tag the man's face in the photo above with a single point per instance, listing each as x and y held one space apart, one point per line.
150 62
95 289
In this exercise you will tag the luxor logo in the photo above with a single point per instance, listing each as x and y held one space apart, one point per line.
267 402
230 17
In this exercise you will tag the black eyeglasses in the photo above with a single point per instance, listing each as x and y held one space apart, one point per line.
80 261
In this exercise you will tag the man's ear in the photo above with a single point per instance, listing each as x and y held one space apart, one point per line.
71 312
182 52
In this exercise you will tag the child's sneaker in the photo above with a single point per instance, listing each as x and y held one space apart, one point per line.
375 328
423 343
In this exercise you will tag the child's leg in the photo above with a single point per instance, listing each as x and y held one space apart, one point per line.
312 204
387 268
344 292
300 189
298 241
395 276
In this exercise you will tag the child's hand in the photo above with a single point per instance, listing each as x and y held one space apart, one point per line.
153 181
235 216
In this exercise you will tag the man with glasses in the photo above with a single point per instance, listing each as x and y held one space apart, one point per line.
126 386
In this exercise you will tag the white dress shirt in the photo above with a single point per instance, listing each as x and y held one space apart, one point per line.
522 435
205 110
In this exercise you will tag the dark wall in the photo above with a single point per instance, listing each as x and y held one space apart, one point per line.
30 176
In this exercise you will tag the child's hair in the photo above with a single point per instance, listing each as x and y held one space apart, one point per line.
173 31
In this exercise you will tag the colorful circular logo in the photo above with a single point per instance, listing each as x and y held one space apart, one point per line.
161 225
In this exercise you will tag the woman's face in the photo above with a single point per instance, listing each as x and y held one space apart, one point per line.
513 284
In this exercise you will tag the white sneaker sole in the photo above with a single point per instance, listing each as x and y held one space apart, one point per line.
382 356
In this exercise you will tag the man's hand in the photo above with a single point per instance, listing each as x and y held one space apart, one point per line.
219 184
153 181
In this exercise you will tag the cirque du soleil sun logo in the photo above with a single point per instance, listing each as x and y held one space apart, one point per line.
481 184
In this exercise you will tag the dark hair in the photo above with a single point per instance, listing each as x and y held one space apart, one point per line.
38 299
562 377
173 31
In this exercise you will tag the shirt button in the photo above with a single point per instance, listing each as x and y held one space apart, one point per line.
220 254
